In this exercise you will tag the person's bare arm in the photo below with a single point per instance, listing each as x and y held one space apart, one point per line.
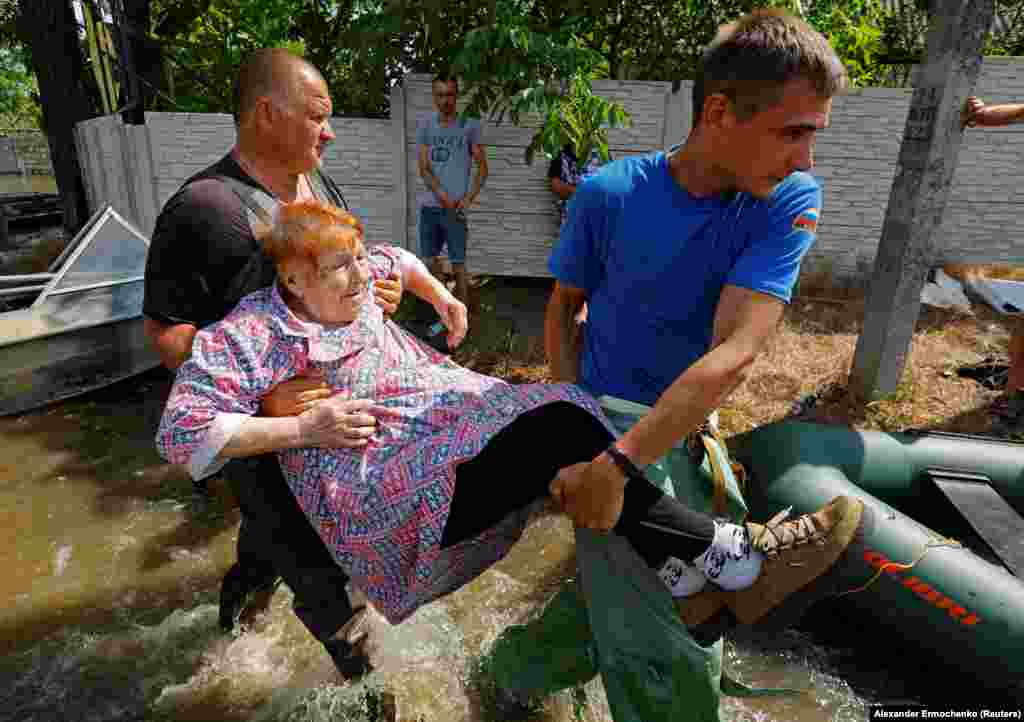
432 181
562 189
562 338
423 284
173 342
479 178
745 320
1002 114
977 113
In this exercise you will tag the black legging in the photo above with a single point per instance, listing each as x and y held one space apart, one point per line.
517 466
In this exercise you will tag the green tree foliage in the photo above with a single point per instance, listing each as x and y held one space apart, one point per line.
509 51
1010 41
905 33
203 42
854 29
510 67
361 46
504 46
579 119
19 95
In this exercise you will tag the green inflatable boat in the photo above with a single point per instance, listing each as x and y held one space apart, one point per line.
939 570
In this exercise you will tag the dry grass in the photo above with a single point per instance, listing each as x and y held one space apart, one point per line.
812 354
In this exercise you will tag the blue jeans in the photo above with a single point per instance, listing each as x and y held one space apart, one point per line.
443 225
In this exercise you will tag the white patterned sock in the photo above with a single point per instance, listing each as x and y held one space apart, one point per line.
681 578
730 562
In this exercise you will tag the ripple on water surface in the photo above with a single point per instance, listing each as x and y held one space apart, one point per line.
183 668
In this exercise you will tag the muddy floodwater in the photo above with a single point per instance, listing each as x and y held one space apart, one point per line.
109 571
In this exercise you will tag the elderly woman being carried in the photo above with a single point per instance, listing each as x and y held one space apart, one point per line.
456 461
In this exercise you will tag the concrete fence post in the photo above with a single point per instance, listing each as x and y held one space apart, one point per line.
928 155
142 178
401 189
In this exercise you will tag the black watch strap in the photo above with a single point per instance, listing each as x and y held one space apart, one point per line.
625 464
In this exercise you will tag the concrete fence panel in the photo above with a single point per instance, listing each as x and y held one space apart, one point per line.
515 222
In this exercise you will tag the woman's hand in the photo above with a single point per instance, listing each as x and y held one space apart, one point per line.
388 293
293 397
337 422
454 316
592 493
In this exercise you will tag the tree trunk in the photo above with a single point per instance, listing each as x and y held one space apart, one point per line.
49 30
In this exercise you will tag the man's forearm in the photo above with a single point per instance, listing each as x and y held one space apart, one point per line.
262 435
427 174
686 403
173 343
432 181
562 342
1004 114
479 177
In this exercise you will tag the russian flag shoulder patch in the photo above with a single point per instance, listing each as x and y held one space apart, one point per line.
807 221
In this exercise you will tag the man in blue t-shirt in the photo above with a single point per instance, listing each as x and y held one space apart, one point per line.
448 148
686 260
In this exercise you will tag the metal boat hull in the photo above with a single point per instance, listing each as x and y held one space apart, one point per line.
84 328
45 370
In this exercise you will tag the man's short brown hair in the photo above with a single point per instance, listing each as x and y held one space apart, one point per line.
752 58
268 71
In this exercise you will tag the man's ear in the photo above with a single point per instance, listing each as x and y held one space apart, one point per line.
265 112
718 111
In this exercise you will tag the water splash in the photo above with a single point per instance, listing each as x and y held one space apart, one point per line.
181 667
789 659
101 677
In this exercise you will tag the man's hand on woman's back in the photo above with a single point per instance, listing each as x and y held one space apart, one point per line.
293 397
326 418
302 393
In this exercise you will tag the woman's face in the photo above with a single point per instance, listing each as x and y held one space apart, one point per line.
334 290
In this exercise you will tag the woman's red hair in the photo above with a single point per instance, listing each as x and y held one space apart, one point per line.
304 230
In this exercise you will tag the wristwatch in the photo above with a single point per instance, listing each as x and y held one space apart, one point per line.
625 464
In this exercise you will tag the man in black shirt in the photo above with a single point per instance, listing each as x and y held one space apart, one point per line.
202 260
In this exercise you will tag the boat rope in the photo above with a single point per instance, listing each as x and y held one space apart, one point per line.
704 435
932 543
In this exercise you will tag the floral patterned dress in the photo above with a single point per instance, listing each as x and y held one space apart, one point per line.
381 509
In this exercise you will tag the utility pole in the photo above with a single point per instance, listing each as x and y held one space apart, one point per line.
927 160
133 111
